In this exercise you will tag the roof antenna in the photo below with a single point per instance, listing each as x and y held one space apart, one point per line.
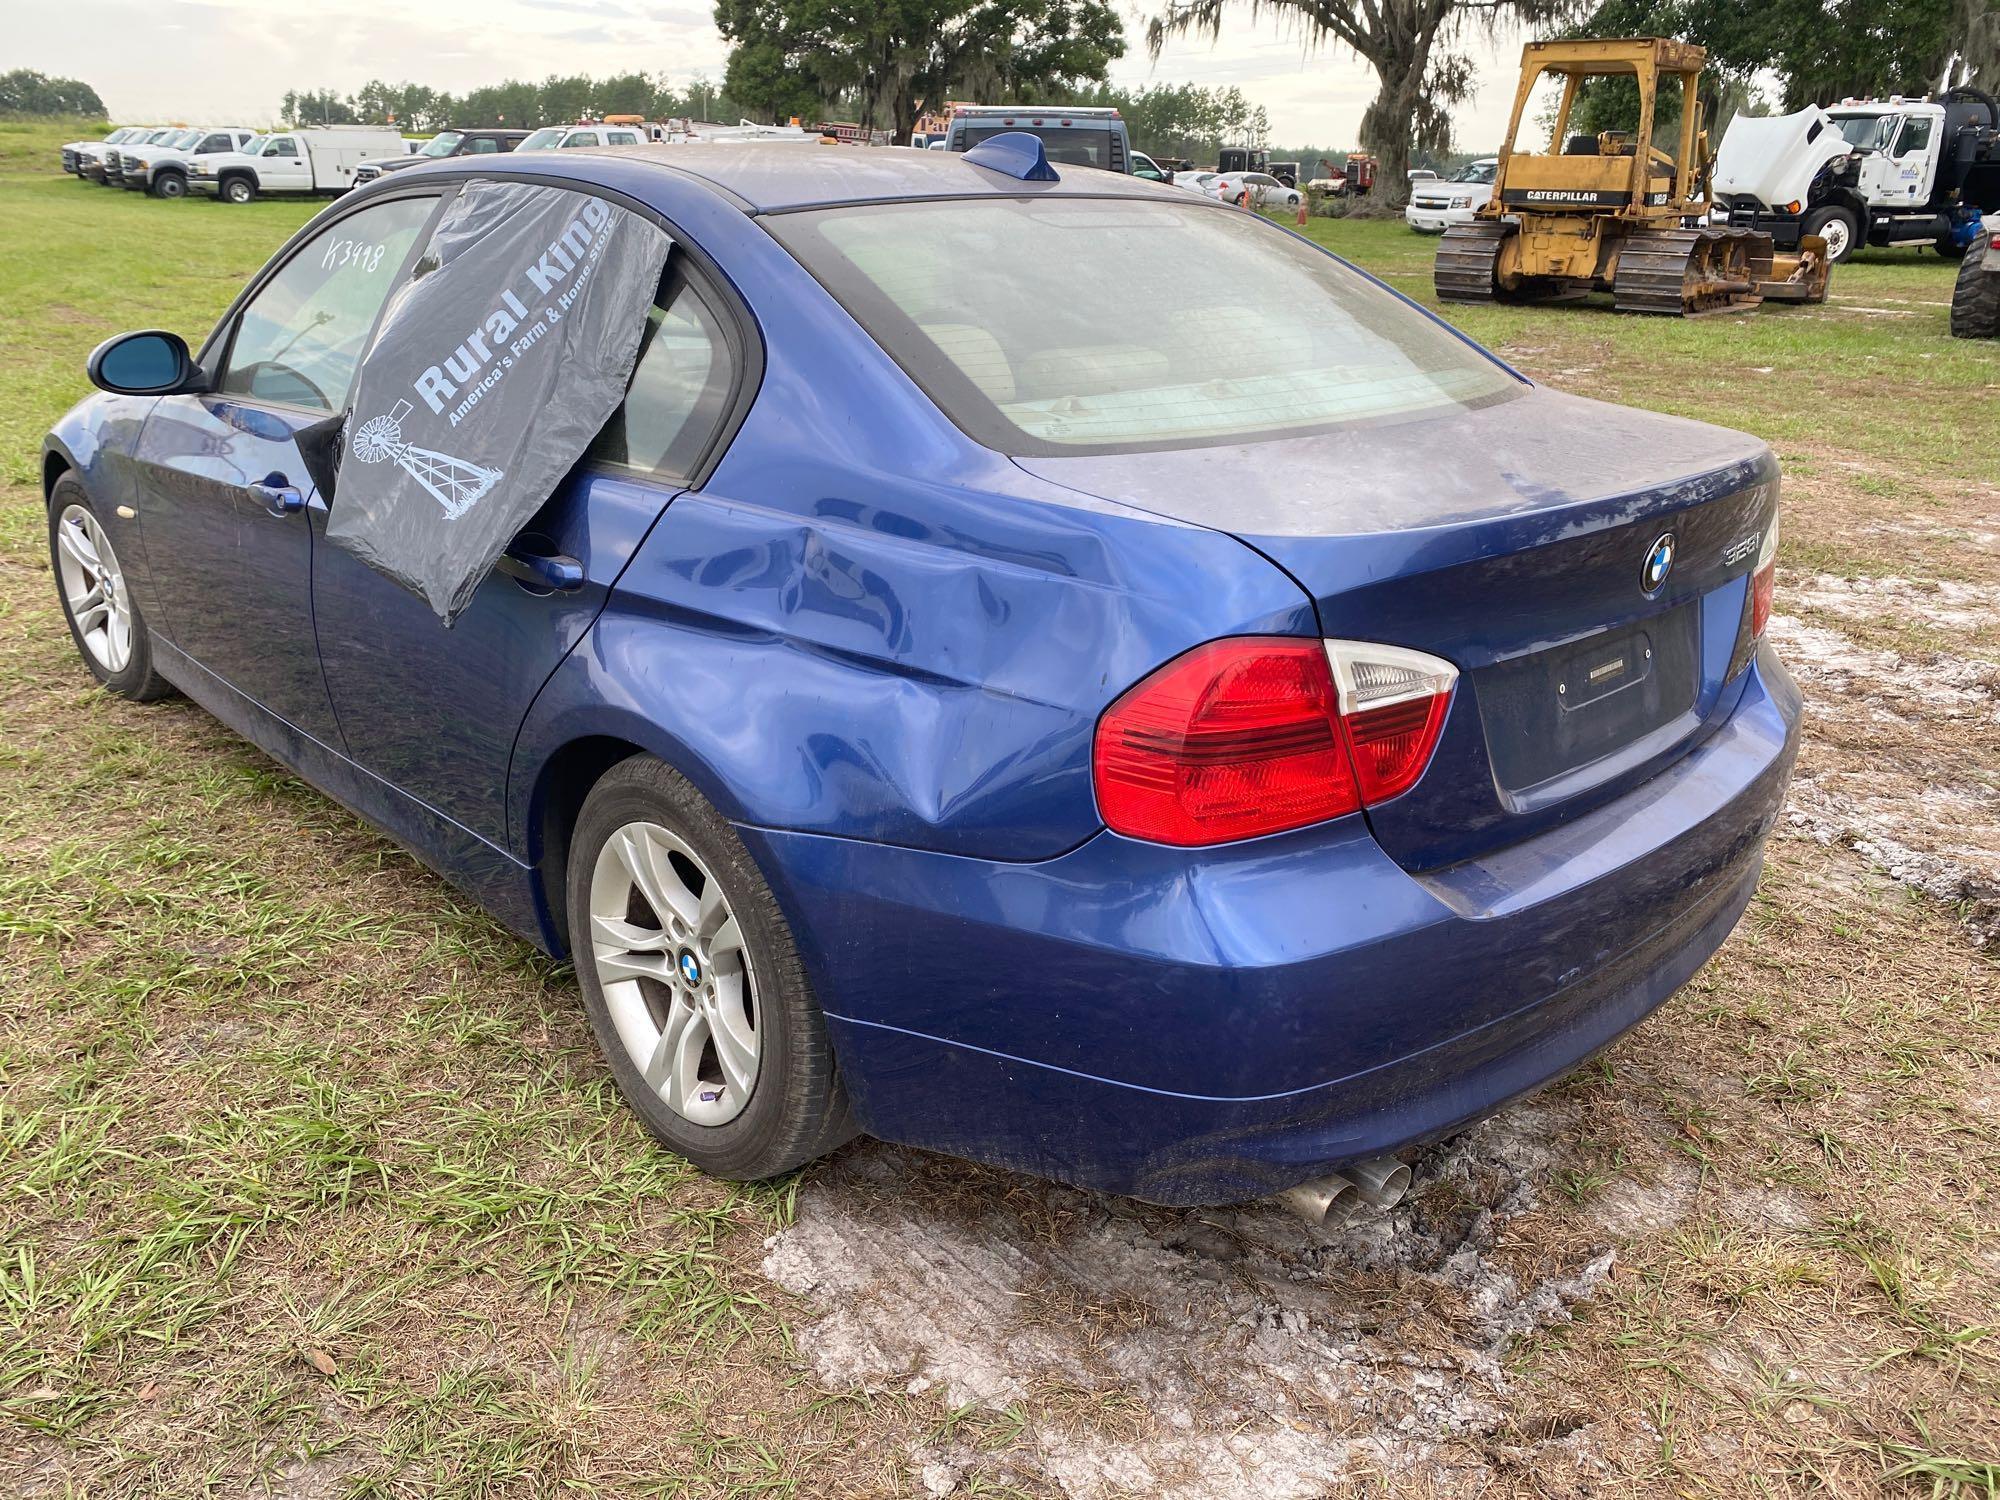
1016 153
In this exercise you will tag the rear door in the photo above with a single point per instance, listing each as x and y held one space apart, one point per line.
434 710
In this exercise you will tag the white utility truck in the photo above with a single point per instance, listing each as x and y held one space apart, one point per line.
163 170
321 160
1865 172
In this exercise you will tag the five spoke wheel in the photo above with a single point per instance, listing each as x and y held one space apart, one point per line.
93 587
676 976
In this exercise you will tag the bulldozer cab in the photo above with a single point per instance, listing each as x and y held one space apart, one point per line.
1630 174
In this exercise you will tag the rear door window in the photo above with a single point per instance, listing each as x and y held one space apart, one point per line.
681 386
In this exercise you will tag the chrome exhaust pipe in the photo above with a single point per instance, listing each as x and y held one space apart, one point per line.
1316 1200
1379 1183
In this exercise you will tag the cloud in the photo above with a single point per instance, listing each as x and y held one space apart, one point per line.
230 61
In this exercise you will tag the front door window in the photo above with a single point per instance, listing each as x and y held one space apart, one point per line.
300 339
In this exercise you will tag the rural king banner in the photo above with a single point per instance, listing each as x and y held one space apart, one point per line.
493 369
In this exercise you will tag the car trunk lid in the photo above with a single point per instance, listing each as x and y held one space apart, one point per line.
1513 540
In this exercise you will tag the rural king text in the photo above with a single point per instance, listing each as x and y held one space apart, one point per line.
511 329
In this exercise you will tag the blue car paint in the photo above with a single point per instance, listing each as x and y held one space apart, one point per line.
880 649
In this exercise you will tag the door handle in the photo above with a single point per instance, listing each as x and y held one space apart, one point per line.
278 496
544 571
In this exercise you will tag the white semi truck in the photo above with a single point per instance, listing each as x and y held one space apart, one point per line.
293 161
1865 172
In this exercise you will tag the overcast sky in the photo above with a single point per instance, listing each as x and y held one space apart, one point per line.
216 62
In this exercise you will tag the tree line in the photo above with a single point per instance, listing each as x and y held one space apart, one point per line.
26 92
556 100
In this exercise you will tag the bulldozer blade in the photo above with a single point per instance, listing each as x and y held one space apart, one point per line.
1799 278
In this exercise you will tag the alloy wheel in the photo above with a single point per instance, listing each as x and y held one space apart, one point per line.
93 586
676 976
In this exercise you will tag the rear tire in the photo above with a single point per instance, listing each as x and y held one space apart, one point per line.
1975 299
1836 225
109 632
692 982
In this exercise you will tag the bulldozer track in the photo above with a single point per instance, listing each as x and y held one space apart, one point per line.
1691 273
1466 259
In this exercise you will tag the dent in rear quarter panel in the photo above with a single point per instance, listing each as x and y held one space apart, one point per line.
96 439
866 625
923 667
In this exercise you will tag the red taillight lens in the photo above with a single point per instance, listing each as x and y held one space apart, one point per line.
1393 745
1764 582
1257 735
1237 738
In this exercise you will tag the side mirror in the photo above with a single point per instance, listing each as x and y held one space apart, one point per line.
153 363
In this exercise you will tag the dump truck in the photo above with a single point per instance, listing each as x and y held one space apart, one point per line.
1614 212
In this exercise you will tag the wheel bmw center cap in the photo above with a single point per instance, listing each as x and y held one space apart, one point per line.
690 969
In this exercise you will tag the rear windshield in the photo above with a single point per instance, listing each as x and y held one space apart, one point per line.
1065 145
1024 321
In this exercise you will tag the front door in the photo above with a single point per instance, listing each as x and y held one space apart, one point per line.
231 479
434 710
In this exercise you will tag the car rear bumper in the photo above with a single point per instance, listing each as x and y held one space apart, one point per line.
1211 1027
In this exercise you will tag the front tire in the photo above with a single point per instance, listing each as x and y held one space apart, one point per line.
110 634
238 190
692 982
1838 227
170 185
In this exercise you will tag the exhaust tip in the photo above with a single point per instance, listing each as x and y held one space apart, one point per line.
1379 1183
1316 1200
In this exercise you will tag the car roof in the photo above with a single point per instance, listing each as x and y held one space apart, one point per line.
772 177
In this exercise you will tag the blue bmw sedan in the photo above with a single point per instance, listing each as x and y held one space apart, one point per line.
1194 756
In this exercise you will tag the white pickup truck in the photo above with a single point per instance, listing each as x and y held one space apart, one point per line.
293 161
73 150
163 170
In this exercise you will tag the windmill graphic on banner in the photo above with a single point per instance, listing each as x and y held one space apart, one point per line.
453 482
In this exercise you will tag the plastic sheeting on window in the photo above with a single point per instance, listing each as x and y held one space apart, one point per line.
493 369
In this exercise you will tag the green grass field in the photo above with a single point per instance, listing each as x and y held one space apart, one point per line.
311 1182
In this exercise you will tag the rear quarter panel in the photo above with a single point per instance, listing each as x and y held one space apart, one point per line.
865 625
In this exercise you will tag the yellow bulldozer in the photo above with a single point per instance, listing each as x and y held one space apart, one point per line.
1613 212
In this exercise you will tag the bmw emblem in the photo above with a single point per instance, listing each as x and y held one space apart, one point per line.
690 969
1659 563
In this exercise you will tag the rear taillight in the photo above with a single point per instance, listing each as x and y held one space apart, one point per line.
1764 580
1393 703
1258 734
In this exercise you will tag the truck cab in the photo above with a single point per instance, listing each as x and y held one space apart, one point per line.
163 170
292 161
1878 172
1070 136
446 143
575 137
